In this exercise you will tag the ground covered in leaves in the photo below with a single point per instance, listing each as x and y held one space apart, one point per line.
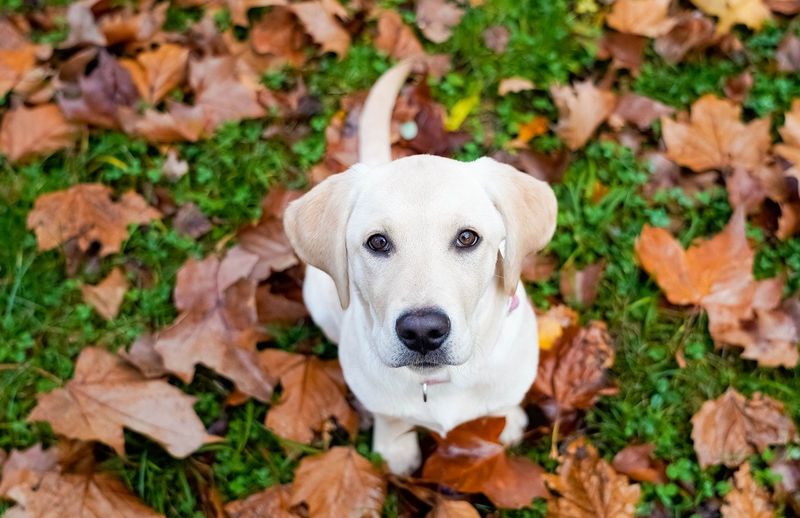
155 355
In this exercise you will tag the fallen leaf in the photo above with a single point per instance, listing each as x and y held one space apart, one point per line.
83 29
268 244
157 72
339 483
106 395
276 308
626 51
692 30
747 499
322 26
272 502
641 17
589 487
14 65
546 167
314 392
638 110
179 123
752 13
637 462
436 19
106 297
395 37
790 132
190 221
552 324
143 355
730 428
496 38
239 8
581 108
174 168
28 132
281 35
513 85
445 508
11 36
787 490
788 53
471 459
535 127
126 26
737 87
25 467
715 138
784 6
580 286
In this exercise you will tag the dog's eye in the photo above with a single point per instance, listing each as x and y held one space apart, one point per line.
467 239
378 243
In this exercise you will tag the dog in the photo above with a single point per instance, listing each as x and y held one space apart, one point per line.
414 270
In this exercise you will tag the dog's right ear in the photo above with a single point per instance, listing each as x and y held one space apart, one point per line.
316 225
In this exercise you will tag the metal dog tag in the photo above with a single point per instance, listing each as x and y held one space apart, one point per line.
424 391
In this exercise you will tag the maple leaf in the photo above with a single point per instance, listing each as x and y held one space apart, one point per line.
107 395
752 13
86 213
275 308
143 355
28 132
314 391
581 108
637 462
106 297
641 17
395 37
790 132
747 499
436 19
280 35
730 428
445 508
222 91
472 459
14 64
26 467
715 138
589 487
339 483
322 26
155 73
272 502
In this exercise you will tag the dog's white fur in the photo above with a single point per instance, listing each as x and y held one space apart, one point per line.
422 203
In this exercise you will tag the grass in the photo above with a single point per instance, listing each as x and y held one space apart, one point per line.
44 324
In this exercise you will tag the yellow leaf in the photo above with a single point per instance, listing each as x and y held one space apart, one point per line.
460 111
752 13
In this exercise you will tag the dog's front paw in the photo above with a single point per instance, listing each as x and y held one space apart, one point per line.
516 422
403 457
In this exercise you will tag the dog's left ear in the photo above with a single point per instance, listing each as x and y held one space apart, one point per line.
529 209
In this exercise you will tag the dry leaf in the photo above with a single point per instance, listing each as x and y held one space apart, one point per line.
752 13
638 110
790 132
626 51
784 6
715 138
106 395
445 508
142 355
86 213
589 487
126 26
496 38
157 72
272 502
737 87
692 30
106 297
637 462
788 54
471 459
747 499
174 168
436 19
395 37
14 65
581 108
339 483
222 91
26 133
179 123
513 85
280 34
277 308
580 286
26 467
535 127
83 29
314 392
642 17
730 428
190 221
323 27
239 8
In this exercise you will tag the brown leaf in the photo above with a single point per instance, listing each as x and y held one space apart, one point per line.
14 65
546 167
314 391
395 37
155 73
513 85
26 133
142 355
715 138
641 17
83 29
25 467
280 34
445 508
730 428
86 213
239 8
106 297
268 244
638 110
106 395
339 483
272 502
589 487
11 37
222 91
784 6
581 108
126 26
471 459
276 308
788 53
737 87
747 499
692 31
322 26
752 13
190 221
637 462
580 286
179 123
790 132
174 168
496 38
436 19
626 51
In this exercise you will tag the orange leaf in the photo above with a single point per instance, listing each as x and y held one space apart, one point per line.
25 133
155 73
642 17
581 108
322 26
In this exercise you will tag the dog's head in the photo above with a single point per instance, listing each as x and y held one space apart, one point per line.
423 244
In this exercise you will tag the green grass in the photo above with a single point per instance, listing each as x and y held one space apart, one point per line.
44 324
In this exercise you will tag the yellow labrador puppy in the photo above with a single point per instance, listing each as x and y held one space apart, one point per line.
414 270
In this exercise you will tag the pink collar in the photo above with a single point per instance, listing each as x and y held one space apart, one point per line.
514 303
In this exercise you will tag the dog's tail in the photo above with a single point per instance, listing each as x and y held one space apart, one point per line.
374 126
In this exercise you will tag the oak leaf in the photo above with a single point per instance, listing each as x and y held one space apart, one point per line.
28 132
436 19
322 26
589 487
107 395
314 391
752 13
747 499
339 483
155 73
714 138
641 17
728 429
106 297
272 502
581 109
471 459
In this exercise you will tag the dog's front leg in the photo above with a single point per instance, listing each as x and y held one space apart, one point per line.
396 441
516 422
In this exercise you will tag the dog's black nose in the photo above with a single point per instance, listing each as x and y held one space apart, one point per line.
423 330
